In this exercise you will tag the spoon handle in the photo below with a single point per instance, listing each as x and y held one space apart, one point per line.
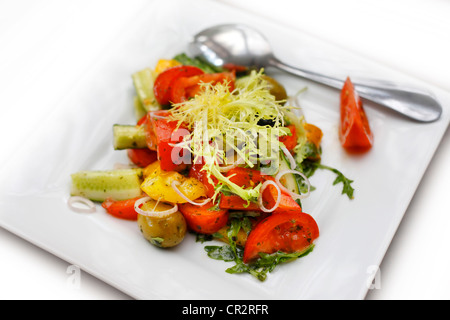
413 103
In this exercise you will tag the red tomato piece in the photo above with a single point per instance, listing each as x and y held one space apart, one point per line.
235 67
163 82
123 209
142 157
235 202
246 177
290 141
287 203
249 178
172 158
204 219
153 117
202 176
167 133
142 121
286 232
355 133
184 88
150 137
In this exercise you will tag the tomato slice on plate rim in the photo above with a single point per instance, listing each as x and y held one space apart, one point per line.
355 133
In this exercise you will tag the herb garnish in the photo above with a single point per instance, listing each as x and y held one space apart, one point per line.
232 252
309 167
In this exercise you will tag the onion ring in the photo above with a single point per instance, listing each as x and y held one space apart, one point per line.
153 213
277 203
85 201
291 159
174 187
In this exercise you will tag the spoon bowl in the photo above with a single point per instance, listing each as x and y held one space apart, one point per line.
232 43
242 45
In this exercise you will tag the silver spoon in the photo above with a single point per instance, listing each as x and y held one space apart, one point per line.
242 45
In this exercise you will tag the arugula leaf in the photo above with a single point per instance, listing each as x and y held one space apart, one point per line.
241 267
200 237
235 226
347 188
224 252
309 167
267 263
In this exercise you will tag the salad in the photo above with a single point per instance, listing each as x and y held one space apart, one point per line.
222 153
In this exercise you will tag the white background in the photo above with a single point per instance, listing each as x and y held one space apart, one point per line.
411 36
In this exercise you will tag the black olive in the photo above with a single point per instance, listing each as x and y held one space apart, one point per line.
266 122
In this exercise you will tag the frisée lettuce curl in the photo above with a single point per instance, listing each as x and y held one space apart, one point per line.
226 129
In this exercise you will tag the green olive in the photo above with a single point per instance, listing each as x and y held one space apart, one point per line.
165 231
276 88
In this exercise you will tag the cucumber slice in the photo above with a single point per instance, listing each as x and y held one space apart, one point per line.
128 137
99 185
289 180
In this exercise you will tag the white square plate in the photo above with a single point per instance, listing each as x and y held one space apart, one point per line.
68 127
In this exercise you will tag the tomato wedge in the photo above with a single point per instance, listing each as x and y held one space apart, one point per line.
184 88
123 209
162 86
204 219
286 232
355 133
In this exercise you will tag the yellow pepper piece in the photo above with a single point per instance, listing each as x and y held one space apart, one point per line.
158 185
313 134
150 169
164 64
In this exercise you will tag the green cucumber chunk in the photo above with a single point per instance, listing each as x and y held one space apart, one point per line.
143 83
128 137
139 110
115 184
289 179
